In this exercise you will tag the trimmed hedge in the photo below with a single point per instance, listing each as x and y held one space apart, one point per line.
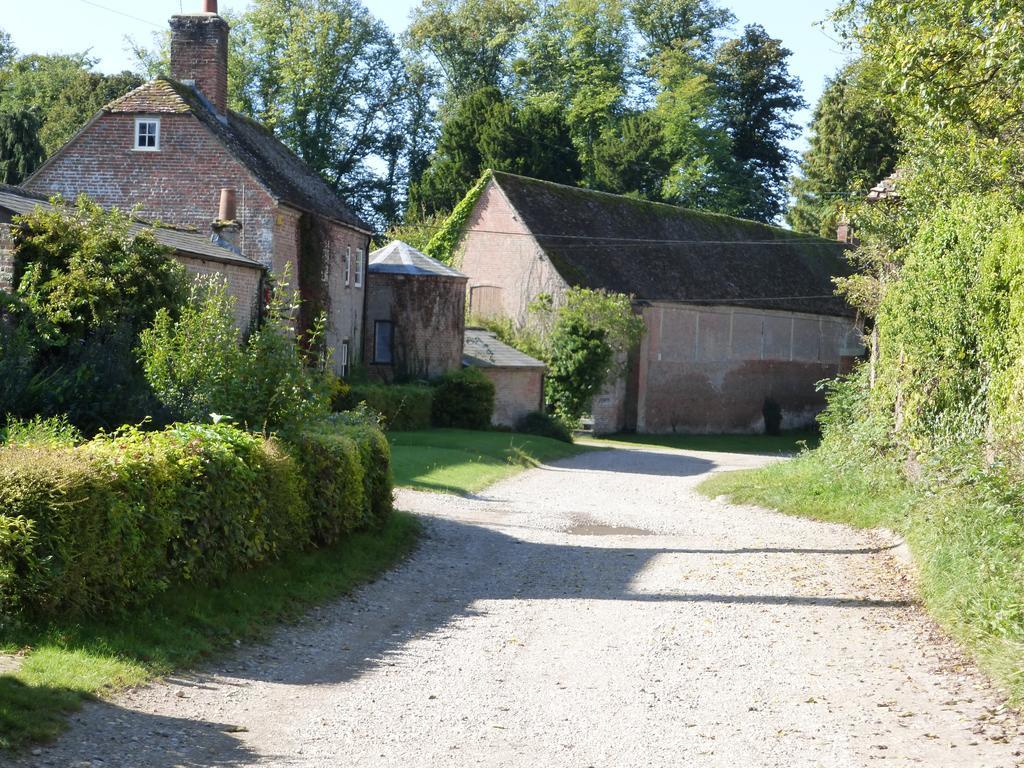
404 407
464 399
544 425
114 521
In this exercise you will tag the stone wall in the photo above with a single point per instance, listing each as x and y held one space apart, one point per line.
428 313
517 392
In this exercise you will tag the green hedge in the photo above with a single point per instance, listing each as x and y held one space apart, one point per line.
464 399
116 520
404 407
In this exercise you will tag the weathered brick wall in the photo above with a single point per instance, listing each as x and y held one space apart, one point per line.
517 392
429 324
243 284
178 185
6 259
345 302
710 369
506 267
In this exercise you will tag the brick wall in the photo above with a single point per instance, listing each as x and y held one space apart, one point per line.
243 284
710 369
199 52
178 185
6 259
505 266
517 392
428 313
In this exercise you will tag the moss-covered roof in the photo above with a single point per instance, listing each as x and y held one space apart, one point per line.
285 175
658 252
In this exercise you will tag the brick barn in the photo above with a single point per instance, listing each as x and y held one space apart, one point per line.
738 314
174 149
194 251
415 315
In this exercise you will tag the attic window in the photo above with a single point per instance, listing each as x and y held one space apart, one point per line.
147 134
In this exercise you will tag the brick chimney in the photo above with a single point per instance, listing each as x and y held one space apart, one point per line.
199 54
227 230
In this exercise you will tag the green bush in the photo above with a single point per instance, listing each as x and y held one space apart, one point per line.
544 425
197 364
116 520
464 399
404 407
54 431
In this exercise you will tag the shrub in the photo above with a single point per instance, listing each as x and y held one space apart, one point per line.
198 366
114 521
403 407
544 425
464 399
54 431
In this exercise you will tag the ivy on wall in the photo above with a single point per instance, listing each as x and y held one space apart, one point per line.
444 242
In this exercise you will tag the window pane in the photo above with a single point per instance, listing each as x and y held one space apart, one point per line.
383 333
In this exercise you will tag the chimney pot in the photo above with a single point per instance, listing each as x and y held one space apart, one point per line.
227 205
209 6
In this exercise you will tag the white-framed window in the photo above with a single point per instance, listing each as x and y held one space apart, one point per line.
383 342
348 265
147 134
343 358
359 268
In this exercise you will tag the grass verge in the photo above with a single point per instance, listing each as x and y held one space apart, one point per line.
772 445
66 662
967 541
463 461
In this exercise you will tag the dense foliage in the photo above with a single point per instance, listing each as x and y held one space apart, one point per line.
119 519
463 399
86 283
198 366
402 407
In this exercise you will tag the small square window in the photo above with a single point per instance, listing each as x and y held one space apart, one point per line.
147 134
359 268
383 338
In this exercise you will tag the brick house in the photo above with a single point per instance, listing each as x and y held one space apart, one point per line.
737 313
194 251
415 315
172 149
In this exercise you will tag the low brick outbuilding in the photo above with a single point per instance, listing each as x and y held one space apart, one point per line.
415 315
518 378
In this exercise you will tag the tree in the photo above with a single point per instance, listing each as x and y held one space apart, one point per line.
853 144
21 152
328 79
577 55
472 41
630 158
64 90
756 97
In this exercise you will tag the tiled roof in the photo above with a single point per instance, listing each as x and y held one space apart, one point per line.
660 252
483 350
21 202
398 258
285 175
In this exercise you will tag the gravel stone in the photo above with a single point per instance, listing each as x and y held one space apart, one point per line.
596 612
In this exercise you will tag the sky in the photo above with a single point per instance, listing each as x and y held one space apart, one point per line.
102 26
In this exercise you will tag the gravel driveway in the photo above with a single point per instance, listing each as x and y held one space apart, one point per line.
593 613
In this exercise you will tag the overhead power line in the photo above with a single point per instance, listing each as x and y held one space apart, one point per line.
121 13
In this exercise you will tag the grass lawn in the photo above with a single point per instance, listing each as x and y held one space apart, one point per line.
68 661
462 461
968 543
789 442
